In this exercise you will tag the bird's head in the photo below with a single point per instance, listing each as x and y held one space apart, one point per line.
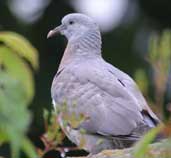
74 25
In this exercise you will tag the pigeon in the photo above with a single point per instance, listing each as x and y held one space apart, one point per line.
114 112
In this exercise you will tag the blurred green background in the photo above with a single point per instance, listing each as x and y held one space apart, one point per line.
126 27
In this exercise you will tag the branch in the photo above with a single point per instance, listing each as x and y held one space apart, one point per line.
157 150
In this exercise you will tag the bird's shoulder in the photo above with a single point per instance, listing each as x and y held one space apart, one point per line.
98 72
83 69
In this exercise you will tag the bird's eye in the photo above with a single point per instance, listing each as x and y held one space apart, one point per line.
71 22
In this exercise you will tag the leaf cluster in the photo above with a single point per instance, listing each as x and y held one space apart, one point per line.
17 56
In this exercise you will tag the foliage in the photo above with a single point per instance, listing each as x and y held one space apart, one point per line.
54 136
13 50
16 92
142 81
160 59
141 147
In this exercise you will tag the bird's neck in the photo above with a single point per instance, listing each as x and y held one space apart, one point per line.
89 42
87 46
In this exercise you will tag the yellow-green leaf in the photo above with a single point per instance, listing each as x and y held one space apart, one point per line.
165 45
141 80
153 48
28 148
21 46
17 68
141 147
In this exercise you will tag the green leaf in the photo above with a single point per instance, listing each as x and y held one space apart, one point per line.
153 48
28 148
141 147
45 115
165 51
141 80
165 45
21 46
14 117
16 91
19 70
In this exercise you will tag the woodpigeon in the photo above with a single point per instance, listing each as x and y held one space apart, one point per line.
115 112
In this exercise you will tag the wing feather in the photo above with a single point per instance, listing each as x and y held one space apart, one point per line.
108 97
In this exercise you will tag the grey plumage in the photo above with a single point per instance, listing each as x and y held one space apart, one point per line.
117 113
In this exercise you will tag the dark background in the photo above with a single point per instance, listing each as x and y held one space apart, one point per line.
124 46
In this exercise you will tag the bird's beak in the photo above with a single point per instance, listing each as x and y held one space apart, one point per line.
54 31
